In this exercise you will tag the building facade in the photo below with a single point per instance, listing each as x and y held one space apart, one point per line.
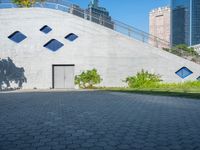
94 13
159 24
185 22
49 48
76 10
99 14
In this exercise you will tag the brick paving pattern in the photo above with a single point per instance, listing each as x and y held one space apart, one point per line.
98 121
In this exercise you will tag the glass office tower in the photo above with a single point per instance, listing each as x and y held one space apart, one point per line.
195 22
185 22
99 14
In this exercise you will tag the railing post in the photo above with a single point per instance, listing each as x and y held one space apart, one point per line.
129 32
156 42
101 19
143 38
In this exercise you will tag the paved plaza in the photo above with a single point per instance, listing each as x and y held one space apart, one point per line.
98 121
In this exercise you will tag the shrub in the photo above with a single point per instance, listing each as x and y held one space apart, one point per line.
87 79
185 48
143 79
184 51
26 3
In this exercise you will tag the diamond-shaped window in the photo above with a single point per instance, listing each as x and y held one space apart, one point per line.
45 29
53 45
17 37
184 72
198 78
71 37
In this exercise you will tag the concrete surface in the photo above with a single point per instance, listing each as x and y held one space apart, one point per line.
114 55
98 121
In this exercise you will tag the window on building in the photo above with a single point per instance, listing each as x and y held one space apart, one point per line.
184 72
198 78
45 29
71 37
17 37
53 45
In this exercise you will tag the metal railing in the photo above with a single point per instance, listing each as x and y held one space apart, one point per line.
66 6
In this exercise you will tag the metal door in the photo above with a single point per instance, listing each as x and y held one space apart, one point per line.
63 76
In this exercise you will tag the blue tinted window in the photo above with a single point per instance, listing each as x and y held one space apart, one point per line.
53 45
45 29
185 22
184 72
195 22
198 78
71 37
17 37
180 22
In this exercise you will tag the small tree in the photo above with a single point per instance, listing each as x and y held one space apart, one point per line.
143 79
24 3
87 79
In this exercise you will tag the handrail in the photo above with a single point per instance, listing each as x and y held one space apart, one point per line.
116 25
66 6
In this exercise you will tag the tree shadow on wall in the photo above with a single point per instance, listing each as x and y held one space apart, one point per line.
9 74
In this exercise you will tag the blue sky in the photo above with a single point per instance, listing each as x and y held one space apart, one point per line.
132 12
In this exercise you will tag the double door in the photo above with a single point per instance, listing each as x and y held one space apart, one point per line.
63 76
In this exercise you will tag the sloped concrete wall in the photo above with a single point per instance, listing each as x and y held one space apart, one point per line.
114 55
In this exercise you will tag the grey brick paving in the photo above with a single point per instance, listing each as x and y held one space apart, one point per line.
98 121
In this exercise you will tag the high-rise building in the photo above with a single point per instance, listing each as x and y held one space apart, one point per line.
185 24
99 14
76 10
94 13
159 26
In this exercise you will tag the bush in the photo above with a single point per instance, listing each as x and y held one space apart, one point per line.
88 79
184 51
147 81
26 3
143 79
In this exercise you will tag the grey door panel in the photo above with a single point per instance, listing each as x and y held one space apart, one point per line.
63 77
69 77
59 77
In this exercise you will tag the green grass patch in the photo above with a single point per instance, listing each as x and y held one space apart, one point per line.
149 83
186 89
